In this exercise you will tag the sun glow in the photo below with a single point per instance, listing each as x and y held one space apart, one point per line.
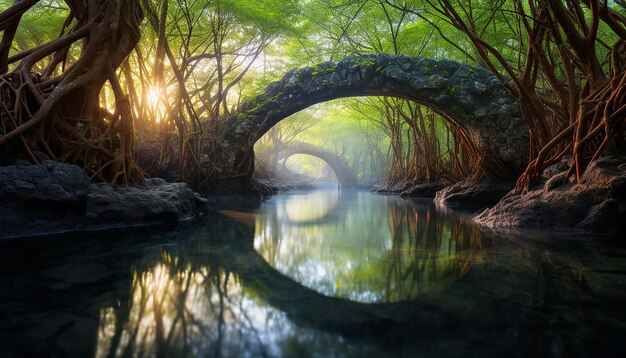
154 100
154 97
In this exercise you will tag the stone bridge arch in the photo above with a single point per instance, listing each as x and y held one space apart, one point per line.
470 97
345 174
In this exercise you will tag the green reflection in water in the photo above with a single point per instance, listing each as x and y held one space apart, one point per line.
177 309
191 303
365 247
203 290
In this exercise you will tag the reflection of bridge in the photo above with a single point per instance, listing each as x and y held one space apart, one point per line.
79 280
471 98
345 175
384 322
336 212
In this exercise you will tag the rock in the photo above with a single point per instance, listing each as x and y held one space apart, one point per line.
472 194
556 168
557 180
596 206
436 82
425 190
148 157
397 188
600 218
471 95
57 198
40 156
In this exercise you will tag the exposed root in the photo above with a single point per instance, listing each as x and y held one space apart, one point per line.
61 115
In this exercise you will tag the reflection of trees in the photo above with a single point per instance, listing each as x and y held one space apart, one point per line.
427 249
302 216
223 298
295 247
184 304
189 299
369 248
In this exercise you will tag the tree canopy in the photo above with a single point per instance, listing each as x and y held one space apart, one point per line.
85 81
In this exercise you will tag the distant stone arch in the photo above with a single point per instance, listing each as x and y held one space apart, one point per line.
345 174
470 97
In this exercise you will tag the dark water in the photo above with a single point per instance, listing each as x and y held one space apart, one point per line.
315 274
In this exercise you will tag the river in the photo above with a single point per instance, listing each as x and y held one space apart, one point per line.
314 274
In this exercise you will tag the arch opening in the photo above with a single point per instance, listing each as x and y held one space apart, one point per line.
470 98
355 135
308 166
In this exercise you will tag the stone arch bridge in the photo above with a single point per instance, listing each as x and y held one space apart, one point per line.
469 97
345 174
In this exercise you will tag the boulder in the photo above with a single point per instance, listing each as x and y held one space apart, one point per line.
595 206
397 188
425 190
472 194
53 197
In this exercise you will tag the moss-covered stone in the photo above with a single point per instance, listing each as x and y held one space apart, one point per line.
472 96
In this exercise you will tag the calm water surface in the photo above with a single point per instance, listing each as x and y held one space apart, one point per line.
314 274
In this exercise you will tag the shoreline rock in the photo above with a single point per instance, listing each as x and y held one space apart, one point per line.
472 194
407 189
593 207
55 198
425 190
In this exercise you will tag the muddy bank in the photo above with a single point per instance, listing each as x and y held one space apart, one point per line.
595 206
53 198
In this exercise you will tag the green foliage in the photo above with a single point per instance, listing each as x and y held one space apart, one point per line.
323 70
40 25
227 51
271 17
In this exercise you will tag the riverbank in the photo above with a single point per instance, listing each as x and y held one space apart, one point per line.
57 198
593 207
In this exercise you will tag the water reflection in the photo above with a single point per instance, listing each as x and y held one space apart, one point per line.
297 209
198 299
220 287
178 310
364 247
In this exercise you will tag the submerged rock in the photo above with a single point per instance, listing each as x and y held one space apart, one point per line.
596 206
55 198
